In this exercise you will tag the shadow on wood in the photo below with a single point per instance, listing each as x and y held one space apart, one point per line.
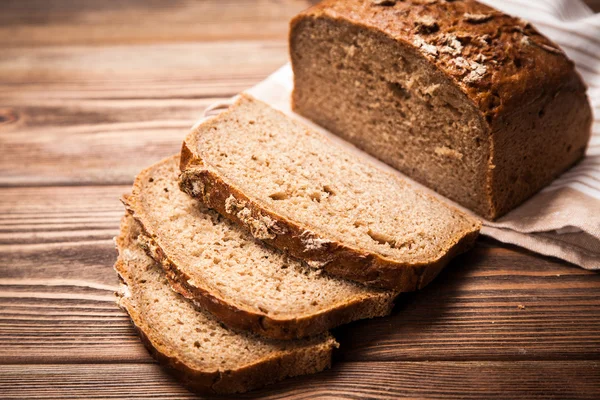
488 304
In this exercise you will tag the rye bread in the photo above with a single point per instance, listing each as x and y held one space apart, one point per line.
471 102
227 272
301 193
197 348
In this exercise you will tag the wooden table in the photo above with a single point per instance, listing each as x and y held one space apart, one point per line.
93 91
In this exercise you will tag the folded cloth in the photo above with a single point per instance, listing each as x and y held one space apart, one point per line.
563 220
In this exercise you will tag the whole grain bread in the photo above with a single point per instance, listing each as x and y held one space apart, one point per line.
227 272
296 190
471 102
202 353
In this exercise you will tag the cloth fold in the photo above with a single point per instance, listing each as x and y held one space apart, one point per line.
563 220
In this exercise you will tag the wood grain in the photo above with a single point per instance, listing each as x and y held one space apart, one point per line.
133 72
93 23
491 304
373 380
73 116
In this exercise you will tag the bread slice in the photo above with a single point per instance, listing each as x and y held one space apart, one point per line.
204 354
235 277
301 193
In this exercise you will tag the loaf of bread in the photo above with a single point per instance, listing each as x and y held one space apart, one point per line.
473 103
203 354
299 192
227 272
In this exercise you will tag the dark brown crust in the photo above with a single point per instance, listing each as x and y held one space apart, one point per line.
336 258
260 323
524 73
300 362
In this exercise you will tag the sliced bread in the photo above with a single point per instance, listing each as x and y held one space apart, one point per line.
204 354
296 190
224 270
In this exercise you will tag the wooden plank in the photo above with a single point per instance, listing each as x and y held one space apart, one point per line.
373 380
57 285
90 22
61 324
51 215
112 154
489 304
57 276
115 381
75 116
152 71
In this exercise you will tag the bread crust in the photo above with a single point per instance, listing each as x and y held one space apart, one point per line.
236 317
484 28
266 371
506 69
334 257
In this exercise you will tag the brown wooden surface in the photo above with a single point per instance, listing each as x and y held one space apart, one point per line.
93 91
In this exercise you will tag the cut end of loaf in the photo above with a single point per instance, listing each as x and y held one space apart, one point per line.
473 103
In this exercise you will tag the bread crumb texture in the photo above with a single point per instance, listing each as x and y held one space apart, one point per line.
224 260
299 175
